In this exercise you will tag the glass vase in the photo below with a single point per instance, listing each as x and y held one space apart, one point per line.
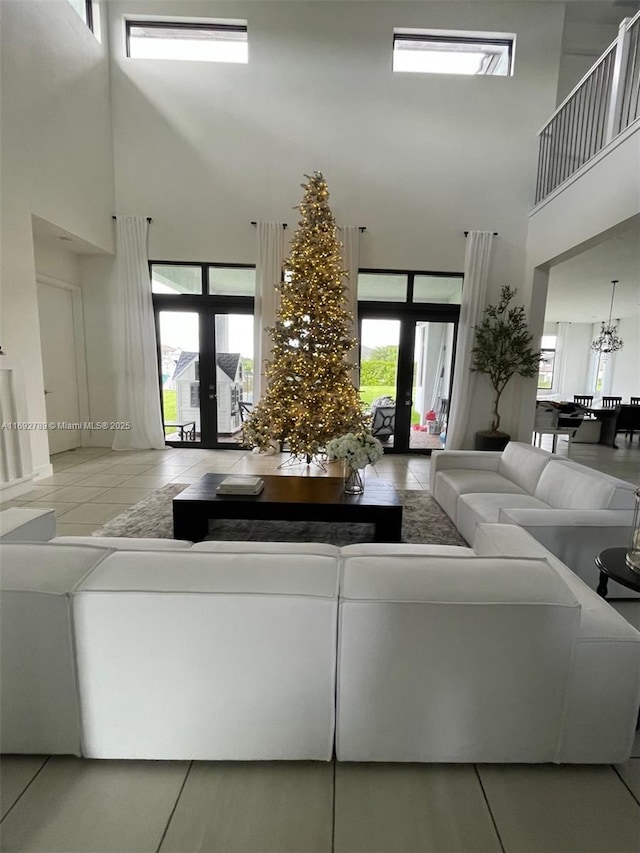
353 479
633 554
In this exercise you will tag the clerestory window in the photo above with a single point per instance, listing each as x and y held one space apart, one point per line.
185 40
445 52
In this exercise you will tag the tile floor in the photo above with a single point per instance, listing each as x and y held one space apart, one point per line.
67 804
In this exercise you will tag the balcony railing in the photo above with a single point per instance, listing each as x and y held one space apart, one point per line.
602 105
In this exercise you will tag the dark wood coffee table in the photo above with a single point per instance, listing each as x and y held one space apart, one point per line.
289 499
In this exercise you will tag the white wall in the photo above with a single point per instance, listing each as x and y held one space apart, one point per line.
54 261
206 148
56 163
625 372
603 194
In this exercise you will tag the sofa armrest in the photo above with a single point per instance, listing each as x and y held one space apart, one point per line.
21 524
576 537
526 518
474 459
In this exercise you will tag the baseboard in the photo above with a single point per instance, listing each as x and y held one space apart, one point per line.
15 488
43 471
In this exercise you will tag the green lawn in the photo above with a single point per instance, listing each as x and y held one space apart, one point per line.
369 393
170 406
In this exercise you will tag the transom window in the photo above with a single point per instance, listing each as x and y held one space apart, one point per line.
203 279
440 52
412 288
194 41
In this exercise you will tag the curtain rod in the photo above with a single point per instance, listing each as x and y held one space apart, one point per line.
361 228
149 219
466 233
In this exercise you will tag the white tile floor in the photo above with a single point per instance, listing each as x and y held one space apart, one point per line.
67 804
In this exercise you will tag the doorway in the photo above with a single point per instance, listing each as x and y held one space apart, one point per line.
406 366
63 365
206 374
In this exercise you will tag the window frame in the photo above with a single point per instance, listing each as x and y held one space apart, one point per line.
182 24
461 38
553 351
204 282
407 305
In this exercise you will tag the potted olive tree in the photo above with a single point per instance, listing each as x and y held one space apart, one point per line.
502 348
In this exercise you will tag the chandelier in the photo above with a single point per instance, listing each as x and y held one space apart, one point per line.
608 341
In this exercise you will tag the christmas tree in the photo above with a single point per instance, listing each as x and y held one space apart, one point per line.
310 397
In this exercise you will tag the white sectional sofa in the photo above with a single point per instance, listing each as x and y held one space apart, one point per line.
574 511
235 650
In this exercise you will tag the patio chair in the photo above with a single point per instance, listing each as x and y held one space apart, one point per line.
383 422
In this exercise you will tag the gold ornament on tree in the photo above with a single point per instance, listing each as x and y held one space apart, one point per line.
310 397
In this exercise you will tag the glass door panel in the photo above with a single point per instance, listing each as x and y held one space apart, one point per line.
180 375
432 364
380 345
234 374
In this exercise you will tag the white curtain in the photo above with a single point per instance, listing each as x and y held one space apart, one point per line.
474 293
270 257
135 338
349 236
560 383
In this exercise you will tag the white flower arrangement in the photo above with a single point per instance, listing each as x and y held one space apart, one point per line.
358 450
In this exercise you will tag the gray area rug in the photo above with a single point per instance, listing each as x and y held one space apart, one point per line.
422 522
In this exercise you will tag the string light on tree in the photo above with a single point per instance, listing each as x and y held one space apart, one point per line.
310 397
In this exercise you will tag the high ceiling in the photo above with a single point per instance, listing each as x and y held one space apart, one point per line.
580 288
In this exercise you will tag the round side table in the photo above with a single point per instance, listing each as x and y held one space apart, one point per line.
612 564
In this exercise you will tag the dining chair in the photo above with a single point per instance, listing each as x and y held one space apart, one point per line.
611 402
551 420
634 401
583 399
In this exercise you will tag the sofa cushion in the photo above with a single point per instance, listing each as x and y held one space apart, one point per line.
453 579
567 485
157 572
244 547
46 568
523 465
486 507
208 656
443 659
451 483
394 549
119 543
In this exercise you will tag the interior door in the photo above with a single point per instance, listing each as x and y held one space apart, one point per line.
59 362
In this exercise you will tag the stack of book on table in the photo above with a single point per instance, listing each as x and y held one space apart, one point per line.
240 486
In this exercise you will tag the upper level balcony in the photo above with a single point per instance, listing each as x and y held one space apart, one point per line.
596 112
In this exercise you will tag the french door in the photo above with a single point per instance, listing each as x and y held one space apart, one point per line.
406 372
206 372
